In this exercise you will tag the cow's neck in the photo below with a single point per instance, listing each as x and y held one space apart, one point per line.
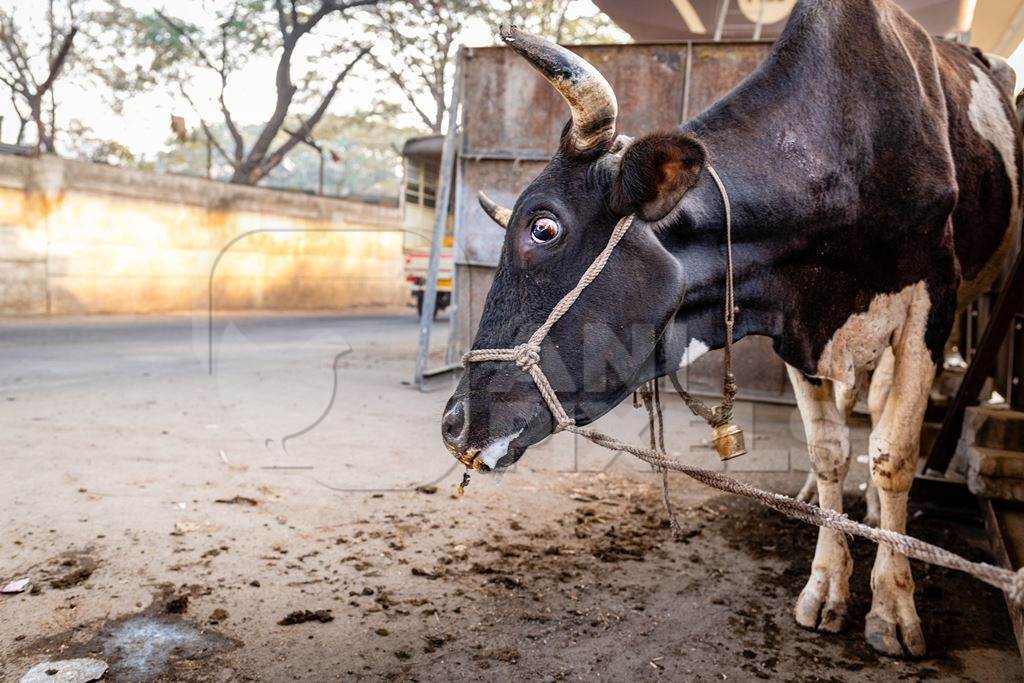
744 133
763 139
761 252
698 242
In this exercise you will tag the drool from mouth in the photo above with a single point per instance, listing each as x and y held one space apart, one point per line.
462 486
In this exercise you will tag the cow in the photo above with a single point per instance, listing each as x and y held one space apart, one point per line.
874 177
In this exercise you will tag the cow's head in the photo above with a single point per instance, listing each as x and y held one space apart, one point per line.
603 347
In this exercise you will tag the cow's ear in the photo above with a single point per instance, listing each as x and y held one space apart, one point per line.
655 173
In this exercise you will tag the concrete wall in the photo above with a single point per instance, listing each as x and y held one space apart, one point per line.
85 238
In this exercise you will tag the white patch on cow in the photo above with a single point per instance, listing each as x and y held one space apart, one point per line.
694 350
498 449
987 112
860 341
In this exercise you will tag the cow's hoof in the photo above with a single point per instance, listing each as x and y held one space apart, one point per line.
822 603
894 639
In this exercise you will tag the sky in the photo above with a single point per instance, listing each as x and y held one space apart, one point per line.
143 126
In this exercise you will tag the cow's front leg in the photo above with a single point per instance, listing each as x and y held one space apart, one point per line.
823 601
892 626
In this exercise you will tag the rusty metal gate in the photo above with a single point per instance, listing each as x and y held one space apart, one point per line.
511 120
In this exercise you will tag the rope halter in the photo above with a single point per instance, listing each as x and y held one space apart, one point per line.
527 355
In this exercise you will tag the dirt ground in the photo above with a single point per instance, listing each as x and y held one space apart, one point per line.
261 523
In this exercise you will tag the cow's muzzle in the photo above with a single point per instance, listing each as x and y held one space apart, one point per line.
479 454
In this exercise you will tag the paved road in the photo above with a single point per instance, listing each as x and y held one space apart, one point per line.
40 352
328 381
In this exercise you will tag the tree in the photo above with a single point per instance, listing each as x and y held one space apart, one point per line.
82 143
364 157
418 39
75 44
419 36
31 61
246 28
362 148
560 21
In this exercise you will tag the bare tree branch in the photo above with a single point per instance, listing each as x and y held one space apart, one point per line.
223 71
420 37
295 12
236 135
58 61
282 23
306 129
285 88
397 79
200 52
8 37
326 7
206 128
21 60
8 79
22 118
17 74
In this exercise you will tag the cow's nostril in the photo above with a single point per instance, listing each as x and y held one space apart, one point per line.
453 425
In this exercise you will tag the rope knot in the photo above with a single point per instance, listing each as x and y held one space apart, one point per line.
1016 592
526 355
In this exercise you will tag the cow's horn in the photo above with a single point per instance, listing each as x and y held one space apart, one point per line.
584 88
499 214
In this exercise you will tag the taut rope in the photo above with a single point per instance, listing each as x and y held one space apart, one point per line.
527 357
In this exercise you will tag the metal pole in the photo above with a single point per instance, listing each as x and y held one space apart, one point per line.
321 185
444 191
760 20
686 81
720 24
453 301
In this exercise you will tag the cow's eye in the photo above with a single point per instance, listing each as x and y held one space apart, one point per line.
544 230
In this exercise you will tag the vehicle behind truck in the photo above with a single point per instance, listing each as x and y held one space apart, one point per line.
421 158
416 263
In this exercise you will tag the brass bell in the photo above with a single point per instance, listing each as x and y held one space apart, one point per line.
728 440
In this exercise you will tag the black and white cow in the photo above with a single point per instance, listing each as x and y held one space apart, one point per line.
874 173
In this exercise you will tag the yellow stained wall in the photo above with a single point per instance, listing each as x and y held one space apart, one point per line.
82 238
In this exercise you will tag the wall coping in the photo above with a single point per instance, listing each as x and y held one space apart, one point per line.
56 176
